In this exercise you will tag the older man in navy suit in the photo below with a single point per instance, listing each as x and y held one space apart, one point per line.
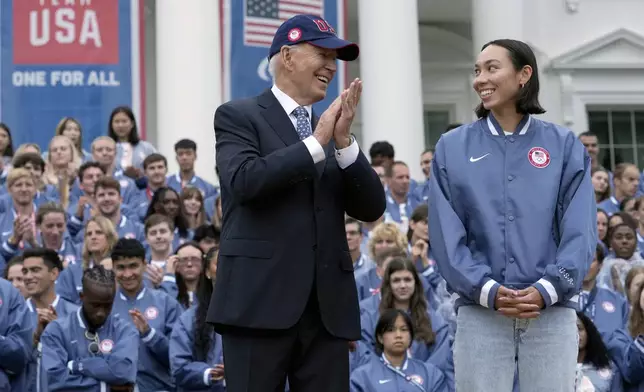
285 299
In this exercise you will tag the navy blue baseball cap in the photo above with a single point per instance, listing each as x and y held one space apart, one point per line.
316 31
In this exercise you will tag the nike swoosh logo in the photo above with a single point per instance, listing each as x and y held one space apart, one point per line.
384 381
472 159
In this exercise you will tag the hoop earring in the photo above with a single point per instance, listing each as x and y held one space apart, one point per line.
521 85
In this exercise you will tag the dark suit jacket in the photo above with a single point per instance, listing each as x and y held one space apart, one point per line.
283 223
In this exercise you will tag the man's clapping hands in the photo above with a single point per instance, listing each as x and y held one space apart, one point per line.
336 121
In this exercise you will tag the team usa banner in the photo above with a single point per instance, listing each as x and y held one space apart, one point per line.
76 58
247 31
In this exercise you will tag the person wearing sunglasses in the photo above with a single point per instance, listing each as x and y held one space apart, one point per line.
152 312
90 349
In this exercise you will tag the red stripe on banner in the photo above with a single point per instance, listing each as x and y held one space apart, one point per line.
143 108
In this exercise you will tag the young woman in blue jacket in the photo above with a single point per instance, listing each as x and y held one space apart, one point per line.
394 370
513 231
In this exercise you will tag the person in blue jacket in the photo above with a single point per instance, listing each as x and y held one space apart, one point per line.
512 230
432 343
196 352
607 309
16 332
100 237
108 203
41 267
186 151
51 232
166 201
153 313
90 349
395 371
595 372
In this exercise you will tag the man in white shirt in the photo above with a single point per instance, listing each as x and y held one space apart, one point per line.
285 301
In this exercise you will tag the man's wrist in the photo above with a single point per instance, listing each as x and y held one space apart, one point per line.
343 142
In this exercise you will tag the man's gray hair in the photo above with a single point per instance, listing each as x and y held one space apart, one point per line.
273 62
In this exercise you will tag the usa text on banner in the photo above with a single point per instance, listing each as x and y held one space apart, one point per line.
73 58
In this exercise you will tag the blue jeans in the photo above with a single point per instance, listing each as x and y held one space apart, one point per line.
489 347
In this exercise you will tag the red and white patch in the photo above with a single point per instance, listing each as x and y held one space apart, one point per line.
539 157
106 346
294 35
124 183
151 313
416 378
608 306
605 373
129 235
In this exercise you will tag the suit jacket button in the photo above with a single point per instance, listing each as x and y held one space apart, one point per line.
315 247
318 209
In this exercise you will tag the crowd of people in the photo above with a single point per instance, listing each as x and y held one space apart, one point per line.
109 263
121 254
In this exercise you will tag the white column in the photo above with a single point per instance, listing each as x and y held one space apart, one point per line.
392 97
494 19
188 79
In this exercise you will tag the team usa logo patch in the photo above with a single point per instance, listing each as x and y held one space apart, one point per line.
539 157
151 313
608 306
605 373
415 378
106 346
294 35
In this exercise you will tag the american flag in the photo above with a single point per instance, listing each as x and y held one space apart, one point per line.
263 17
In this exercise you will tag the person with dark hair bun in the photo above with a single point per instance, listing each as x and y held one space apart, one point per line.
512 230
395 371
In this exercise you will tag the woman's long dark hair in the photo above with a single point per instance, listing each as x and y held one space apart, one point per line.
596 351
182 296
520 53
133 138
203 330
8 152
180 221
387 322
417 302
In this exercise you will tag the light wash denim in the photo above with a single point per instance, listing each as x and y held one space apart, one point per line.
489 347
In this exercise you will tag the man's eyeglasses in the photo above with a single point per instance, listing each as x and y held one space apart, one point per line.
93 347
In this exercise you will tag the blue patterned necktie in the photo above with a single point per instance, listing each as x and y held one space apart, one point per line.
303 126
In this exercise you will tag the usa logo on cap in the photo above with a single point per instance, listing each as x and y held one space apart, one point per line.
294 34
107 346
539 157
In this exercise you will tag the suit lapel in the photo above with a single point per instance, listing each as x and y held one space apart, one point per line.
277 118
